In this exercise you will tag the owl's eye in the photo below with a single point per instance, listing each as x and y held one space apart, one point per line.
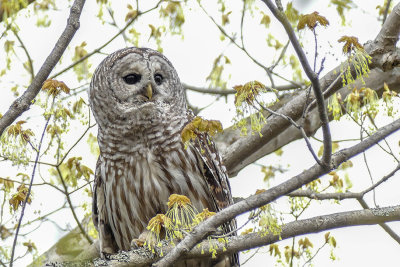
158 78
132 78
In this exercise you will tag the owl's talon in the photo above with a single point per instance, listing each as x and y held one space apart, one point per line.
105 255
137 243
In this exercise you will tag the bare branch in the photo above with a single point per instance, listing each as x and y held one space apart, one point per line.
23 103
386 11
313 76
384 226
30 62
141 257
97 50
88 238
323 196
303 133
29 192
223 92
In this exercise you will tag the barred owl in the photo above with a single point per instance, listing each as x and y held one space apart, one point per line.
140 107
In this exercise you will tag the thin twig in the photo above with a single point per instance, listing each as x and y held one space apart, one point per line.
303 133
238 46
386 11
342 195
315 49
242 22
29 191
326 93
88 238
367 165
225 92
384 226
30 62
390 152
382 180
292 251
326 157
59 162
98 50
252 255
281 55
315 254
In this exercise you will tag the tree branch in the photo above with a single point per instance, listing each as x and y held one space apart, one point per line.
23 103
384 226
244 242
313 76
324 196
252 202
97 50
342 195
277 132
28 193
223 92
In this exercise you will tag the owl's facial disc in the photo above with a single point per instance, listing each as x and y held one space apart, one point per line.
137 82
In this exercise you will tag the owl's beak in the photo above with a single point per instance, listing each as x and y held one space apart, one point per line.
149 91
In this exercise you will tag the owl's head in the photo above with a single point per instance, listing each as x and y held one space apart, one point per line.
135 84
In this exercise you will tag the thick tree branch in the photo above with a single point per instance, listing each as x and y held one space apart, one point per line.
307 176
23 103
249 241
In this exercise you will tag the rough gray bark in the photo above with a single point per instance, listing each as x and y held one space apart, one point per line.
296 228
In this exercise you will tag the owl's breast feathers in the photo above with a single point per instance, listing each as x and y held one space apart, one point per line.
140 174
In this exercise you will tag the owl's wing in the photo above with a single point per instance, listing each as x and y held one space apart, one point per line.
217 180
99 215
214 171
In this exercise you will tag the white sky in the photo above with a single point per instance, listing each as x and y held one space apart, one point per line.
192 57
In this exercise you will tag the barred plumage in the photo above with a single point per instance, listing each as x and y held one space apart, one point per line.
139 104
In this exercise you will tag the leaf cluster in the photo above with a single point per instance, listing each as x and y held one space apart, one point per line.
199 125
311 21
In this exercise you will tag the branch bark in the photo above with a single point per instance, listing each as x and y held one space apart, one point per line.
249 241
23 103
252 202
223 92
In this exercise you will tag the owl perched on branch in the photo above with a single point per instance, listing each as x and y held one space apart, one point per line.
140 107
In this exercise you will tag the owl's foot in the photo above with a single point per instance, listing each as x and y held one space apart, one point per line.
137 243
145 238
